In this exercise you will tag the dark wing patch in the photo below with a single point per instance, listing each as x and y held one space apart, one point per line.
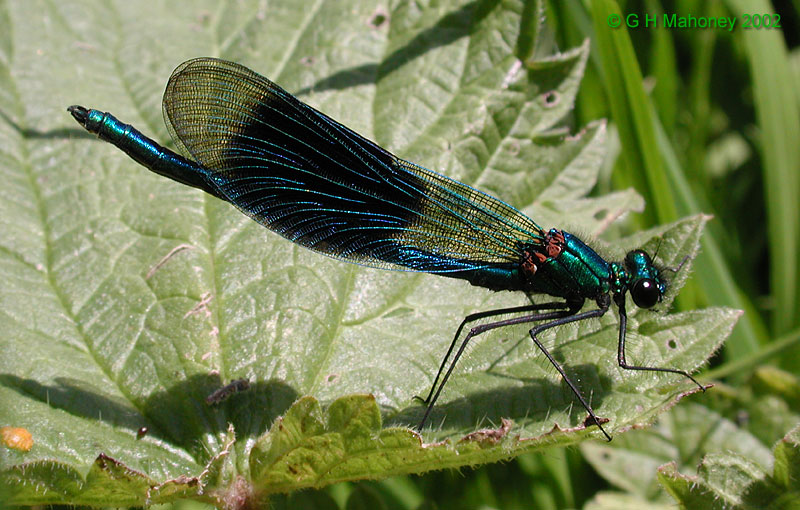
323 186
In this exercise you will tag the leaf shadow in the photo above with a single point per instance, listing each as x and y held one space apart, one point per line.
532 402
450 27
178 415
182 415
50 134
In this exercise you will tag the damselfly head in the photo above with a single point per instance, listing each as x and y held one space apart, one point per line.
645 284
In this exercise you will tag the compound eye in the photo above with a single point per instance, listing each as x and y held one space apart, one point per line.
645 293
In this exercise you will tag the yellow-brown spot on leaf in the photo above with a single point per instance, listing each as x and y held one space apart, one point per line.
16 438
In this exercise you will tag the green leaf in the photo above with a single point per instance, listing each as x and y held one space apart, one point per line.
778 114
128 299
733 456
364 498
766 407
631 111
680 436
733 481
618 501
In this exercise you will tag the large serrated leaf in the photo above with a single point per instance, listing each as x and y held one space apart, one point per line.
127 299
733 481
680 437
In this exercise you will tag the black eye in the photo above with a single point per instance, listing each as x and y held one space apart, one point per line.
645 293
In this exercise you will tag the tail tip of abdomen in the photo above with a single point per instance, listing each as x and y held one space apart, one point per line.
79 113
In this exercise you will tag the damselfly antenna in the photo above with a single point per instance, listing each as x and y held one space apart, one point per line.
676 269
